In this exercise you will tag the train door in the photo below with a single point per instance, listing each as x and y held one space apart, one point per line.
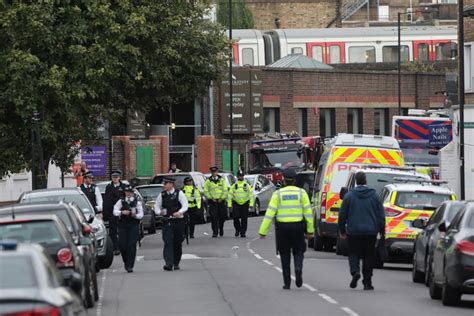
432 50
235 53
327 53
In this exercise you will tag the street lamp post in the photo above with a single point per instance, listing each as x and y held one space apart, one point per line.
461 94
231 110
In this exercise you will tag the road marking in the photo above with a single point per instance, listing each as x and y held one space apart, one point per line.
278 269
251 251
328 298
349 311
278 256
101 294
293 277
206 234
309 287
258 256
189 256
140 258
268 262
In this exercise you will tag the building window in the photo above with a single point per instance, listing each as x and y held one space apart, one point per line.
362 54
334 54
318 53
423 52
390 55
271 120
469 67
297 50
381 122
327 122
354 121
247 57
303 122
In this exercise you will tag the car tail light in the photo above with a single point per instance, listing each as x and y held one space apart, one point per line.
86 229
39 311
390 212
323 205
65 258
465 247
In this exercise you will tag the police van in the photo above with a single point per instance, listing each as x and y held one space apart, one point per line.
343 154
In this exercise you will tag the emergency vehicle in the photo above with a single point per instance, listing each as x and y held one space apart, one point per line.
342 154
405 202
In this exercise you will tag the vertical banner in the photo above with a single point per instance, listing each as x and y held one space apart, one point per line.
95 158
256 101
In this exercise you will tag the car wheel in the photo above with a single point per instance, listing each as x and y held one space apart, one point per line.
89 293
435 291
107 260
318 243
152 228
257 208
416 275
94 280
328 245
427 270
450 296
341 247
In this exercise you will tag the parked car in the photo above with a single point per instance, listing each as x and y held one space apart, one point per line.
30 283
105 247
148 194
263 189
51 233
452 271
76 228
426 240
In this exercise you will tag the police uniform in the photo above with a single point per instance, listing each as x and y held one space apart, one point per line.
292 209
113 193
93 194
240 199
194 206
215 190
129 227
173 227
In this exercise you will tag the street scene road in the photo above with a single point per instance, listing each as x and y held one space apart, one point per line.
237 276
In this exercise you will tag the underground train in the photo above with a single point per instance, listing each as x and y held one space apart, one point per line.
345 45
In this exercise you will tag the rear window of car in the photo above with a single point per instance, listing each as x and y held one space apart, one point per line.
420 200
57 196
150 193
179 178
453 210
40 232
16 272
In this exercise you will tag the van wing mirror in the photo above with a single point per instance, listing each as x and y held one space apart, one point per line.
442 227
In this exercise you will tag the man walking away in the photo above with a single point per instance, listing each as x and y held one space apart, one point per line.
92 192
215 190
172 204
361 218
292 209
240 199
114 191
194 204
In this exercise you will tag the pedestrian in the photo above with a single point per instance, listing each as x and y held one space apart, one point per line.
172 205
92 192
361 218
129 211
174 168
114 191
194 204
80 173
215 190
240 199
291 207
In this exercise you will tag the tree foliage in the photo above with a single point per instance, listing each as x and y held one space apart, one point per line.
242 17
79 62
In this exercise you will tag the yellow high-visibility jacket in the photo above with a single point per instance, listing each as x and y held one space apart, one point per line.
215 189
193 196
240 192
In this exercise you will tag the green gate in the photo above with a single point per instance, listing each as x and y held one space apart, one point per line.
226 160
144 162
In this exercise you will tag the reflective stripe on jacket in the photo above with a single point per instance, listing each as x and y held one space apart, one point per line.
215 189
193 196
288 205
240 192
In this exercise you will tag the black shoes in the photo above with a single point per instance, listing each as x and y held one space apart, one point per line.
192 236
129 270
116 252
167 267
368 285
242 236
214 235
237 234
355 279
286 287
221 233
299 278
177 267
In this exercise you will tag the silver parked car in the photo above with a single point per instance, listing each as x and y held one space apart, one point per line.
263 189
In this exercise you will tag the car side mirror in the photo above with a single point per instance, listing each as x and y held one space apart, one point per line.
258 187
85 241
442 227
343 192
419 223
91 219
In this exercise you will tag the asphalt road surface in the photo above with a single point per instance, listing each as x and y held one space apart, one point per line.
237 276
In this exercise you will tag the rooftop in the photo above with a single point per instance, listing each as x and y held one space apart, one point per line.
299 61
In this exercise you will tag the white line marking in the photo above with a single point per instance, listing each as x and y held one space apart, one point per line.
189 256
101 294
206 234
349 311
293 277
278 256
309 287
139 258
278 269
268 262
251 251
258 256
328 298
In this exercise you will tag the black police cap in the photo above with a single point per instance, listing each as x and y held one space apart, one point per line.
88 174
128 188
213 169
188 179
116 173
169 180
289 173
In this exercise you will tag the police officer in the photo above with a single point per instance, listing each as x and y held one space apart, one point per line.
240 199
194 204
92 192
215 190
114 191
129 211
292 209
172 204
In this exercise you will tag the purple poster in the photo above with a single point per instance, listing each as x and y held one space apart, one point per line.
95 158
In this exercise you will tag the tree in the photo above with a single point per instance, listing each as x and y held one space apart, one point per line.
242 17
78 63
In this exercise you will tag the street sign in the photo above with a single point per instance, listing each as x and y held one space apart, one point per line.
136 125
440 134
95 158
468 124
256 100
241 102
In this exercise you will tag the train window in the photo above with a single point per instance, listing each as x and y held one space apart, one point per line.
318 53
423 52
389 53
297 50
334 54
362 54
443 51
247 56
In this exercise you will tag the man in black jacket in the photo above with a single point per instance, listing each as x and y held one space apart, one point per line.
361 218
113 193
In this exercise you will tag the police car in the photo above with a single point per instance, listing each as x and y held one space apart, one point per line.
404 203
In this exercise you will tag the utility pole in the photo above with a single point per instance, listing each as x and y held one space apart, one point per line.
399 64
461 93
231 110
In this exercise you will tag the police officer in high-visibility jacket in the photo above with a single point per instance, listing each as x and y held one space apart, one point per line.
292 209
215 190
194 204
240 199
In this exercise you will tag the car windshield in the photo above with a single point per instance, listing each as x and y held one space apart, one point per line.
179 179
57 196
453 210
278 159
40 232
420 200
150 193
250 180
378 181
416 153
16 272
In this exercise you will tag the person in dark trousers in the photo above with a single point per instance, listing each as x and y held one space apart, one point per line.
92 192
172 204
129 211
361 218
241 199
114 191
215 190
194 204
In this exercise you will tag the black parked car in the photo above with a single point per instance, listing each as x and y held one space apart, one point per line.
426 240
452 271
31 284
51 233
78 229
